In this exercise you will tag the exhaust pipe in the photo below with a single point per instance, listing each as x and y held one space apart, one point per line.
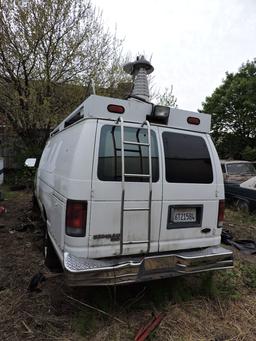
139 70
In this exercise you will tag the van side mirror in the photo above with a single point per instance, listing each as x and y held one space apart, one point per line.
31 162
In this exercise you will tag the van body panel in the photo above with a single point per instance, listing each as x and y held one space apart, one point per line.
65 172
177 196
106 210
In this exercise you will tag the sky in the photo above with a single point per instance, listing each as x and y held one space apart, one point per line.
192 43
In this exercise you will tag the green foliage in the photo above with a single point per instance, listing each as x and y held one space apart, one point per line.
227 284
49 52
233 109
7 193
249 153
22 176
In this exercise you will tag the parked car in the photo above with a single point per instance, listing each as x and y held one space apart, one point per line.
131 191
239 181
237 170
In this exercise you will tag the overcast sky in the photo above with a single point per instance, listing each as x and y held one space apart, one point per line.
192 42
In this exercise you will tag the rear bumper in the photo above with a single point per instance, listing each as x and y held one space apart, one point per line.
130 269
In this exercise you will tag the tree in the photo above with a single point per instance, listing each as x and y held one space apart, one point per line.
49 52
233 109
167 98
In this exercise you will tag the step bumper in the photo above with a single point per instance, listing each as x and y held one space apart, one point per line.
92 272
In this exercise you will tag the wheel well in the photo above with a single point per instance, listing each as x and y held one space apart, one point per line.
243 200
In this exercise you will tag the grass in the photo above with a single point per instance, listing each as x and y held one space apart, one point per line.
249 275
8 194
216 305
86 322
235 217
161 296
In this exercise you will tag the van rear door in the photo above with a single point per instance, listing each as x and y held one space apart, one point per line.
190 191
105 219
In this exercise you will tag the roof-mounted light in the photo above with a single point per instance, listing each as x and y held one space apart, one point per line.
117 109
193 120
160 114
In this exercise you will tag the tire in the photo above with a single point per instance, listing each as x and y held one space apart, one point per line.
51 259
242 206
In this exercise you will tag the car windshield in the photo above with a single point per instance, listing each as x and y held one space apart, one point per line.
241 168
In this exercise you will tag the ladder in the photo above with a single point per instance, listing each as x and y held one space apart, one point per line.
129 175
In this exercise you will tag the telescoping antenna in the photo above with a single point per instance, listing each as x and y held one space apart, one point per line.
139 70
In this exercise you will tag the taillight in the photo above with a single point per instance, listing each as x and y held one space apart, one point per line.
76 213
221 213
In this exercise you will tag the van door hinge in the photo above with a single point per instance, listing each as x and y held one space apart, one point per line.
92 194
217 193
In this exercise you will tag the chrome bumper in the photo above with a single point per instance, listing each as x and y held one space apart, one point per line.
129 269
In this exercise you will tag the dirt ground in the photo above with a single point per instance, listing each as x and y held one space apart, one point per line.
215 307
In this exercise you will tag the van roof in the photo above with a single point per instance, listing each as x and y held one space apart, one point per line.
134 111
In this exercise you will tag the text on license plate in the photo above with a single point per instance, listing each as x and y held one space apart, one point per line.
183 215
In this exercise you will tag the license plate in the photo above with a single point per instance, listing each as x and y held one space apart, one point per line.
184 215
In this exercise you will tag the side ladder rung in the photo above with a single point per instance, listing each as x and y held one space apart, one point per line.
137 175
136 209
137 143
126 176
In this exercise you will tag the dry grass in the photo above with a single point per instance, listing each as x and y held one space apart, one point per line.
242 225
217 307
204 319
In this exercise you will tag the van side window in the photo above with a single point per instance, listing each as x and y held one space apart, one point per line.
187 159
136 157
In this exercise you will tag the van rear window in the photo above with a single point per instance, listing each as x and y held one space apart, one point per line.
187 159
136 157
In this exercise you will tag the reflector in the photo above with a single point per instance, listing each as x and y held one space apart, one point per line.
193 120
118 109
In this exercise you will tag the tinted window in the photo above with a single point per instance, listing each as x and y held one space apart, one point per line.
136 157
187 159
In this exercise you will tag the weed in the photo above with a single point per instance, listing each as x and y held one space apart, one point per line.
224 284
85 323
240 217
159 292
208 285
227 283
152 336
183 288
6 192
249 275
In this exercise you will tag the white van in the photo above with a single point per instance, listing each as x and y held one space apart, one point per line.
130 192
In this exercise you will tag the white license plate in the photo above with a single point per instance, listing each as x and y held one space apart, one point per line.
184 215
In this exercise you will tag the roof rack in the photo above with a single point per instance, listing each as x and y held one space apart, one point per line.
74 118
